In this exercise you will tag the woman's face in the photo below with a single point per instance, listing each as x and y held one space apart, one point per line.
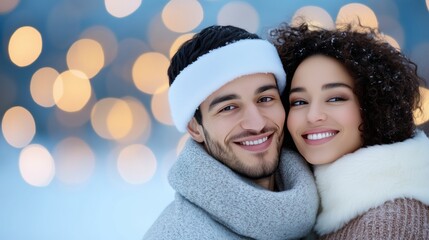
324 114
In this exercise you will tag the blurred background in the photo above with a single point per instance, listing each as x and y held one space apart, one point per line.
86 137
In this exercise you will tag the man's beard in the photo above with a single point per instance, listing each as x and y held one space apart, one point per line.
225 155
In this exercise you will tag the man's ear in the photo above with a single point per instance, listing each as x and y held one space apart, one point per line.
195 130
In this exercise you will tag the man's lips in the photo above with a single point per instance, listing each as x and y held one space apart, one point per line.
256 143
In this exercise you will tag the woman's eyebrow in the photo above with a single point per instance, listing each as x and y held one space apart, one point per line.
335 85
296 89
324 87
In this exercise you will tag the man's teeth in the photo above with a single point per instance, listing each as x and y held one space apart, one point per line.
318 136
256 142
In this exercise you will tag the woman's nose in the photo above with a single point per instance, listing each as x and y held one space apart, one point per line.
316 113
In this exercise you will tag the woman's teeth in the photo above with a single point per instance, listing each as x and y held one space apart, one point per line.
318 136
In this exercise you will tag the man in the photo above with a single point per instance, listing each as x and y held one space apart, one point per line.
232 179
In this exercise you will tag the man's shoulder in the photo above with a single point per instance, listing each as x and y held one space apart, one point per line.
163 227
181 219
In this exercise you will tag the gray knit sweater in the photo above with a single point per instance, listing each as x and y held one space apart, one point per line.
378 192
212 202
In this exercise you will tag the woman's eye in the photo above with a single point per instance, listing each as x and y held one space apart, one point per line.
297 103
265 99
336 99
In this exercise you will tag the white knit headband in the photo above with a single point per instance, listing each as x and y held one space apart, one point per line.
216 68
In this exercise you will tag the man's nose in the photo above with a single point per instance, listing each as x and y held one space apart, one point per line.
253 119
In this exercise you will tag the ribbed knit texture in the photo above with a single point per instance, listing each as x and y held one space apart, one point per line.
401 219
213 202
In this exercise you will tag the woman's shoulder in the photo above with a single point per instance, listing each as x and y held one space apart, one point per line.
398 219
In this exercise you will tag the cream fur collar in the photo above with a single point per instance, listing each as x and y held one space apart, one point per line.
369 177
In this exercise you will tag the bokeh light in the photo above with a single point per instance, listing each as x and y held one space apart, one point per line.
136 164
160 106
315 16
357 12
7 5
142 124
240 14
391 41
72 90
106 38
182 15
129 50
100 114
84 104
77 119
120 9
178 42
25 46
181 143
87 56
120 119
393 29
150 72
42 86
75 161
18 126
422 116
36 165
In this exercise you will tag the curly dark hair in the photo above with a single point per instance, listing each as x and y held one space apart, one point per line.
386 81
209 38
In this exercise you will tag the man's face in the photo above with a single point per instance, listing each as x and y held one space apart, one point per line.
243 125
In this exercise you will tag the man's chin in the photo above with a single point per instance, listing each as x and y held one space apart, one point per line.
258 177
260 173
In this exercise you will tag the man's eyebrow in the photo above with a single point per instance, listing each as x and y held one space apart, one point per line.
324 87
265 88
220 99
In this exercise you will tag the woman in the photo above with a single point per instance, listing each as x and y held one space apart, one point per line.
350 98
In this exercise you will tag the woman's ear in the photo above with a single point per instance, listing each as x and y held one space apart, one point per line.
195 130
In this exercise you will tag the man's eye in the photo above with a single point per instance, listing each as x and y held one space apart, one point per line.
227 108
297 103
266 99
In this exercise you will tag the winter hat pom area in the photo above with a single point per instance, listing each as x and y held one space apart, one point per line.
218 67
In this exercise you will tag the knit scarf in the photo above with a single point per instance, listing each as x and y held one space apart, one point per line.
369 177
242 206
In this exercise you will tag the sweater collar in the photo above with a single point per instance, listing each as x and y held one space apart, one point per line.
241 205
369 177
